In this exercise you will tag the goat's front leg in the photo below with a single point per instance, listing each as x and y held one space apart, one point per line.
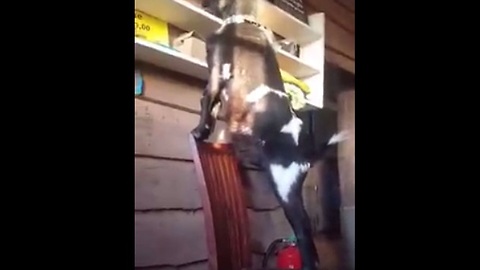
209 99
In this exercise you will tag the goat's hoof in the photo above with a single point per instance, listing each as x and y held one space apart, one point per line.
201 132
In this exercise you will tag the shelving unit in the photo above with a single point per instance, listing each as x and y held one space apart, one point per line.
167 58
190 17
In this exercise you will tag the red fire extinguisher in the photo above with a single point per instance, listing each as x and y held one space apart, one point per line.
288 254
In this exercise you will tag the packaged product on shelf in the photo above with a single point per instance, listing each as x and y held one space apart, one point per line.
296 89
290 47
190 44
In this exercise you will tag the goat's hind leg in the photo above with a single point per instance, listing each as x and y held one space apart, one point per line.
288 182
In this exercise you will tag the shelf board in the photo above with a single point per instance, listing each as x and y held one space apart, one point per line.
190 17
170 59
285 24
176 61
295 65
182 14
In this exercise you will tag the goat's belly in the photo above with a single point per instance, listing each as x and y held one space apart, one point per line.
248 149
240 120
238 115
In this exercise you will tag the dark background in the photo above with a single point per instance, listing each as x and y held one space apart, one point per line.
416 115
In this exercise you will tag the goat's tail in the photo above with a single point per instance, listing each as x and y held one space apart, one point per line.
338 137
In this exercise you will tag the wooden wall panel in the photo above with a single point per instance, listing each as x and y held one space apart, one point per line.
339 39
340 60
164 115
260 194
169 238
171 88
346 158
162 131
164 184
311 197
348 4
346 149
266 227
336 12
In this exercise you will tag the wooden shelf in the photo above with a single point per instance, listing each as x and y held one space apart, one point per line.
285 24
169 59
190 17
295 66
182 14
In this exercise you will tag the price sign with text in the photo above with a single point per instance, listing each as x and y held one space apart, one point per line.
151 28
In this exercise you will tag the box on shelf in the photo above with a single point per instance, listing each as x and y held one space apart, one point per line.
290 47
292 7
191 45
286 45
151 29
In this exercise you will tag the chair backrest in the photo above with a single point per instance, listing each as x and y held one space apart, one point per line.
224 205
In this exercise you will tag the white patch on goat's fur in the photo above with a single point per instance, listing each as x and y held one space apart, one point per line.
338 137
221 136
224 94
216 110
285 177
226 71
257 93
246 130
262 91
293 127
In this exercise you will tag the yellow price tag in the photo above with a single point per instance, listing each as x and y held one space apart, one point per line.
151 28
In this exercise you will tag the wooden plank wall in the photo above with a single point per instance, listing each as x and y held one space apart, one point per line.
169 229
346 153
339 30
168 217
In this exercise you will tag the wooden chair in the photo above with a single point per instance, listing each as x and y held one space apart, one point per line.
224 206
